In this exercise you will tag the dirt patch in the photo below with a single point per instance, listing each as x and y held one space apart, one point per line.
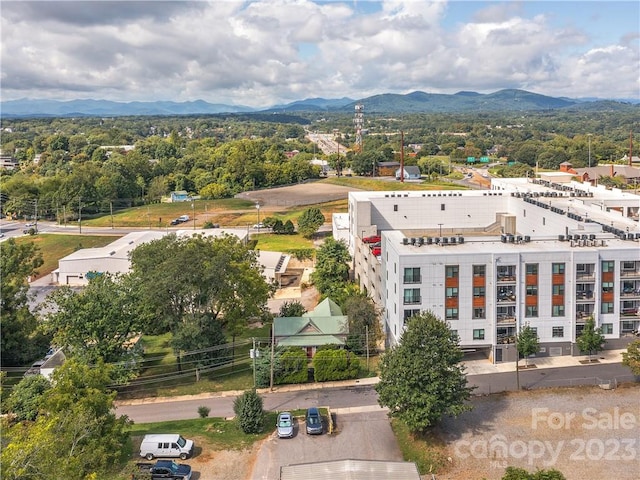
309 193
583 432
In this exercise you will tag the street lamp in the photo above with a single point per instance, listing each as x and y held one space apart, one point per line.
258 208
589 137
193 213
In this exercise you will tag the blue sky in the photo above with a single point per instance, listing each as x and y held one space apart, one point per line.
266 52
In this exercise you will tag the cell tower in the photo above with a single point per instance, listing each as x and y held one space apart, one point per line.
358 121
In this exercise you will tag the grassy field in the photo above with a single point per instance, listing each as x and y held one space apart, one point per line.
426 450
281 243
366 183
54 247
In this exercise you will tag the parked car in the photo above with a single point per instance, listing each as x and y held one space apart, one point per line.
166 445
176 221
164 469
184 218
258 225
284 425
313 422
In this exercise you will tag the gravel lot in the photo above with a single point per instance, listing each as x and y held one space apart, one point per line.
586 433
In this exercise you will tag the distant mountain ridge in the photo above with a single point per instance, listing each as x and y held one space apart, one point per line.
386 103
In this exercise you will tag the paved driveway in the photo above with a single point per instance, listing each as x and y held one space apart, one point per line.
353 439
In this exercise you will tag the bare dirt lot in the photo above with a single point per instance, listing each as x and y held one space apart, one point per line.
309 193
583 432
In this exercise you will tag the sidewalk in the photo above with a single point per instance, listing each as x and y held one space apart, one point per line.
480 367
473 367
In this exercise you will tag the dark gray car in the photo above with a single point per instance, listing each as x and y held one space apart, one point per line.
314 422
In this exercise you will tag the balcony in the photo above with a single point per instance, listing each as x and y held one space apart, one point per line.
584 295
503 319
630 292
582 316
630 312
629 273
585 276
412 301
410 280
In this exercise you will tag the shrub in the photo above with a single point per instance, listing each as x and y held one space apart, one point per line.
249 412
335 365
203 411
293 366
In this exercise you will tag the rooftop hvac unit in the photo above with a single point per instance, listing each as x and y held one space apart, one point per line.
436 240
453 240
429 240
511 239
592 236
572 243
413 240
519 238
420 241
527 238
503 238
460 239
405 241
445 240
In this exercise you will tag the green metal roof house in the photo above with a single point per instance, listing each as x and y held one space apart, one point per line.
324 325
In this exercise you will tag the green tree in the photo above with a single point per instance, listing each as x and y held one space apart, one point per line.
249 411
202 337
421 379
77 437
527 342
20 341
591 339
177 277
310 221
26 397
364 323
631 358
332 266
95 323
292 308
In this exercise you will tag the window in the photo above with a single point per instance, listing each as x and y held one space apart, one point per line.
557 268
478 292
395 208
442 206
411 296
451 314
532 290
606 307
628 265
557 289
479 313
531 311
454 336
479 270
412 275
531 269
410 313
452 292
557 332
478 333
607 266
534 330
557 311
607 328
607 287
451 271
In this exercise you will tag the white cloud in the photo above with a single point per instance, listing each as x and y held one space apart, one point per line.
266 52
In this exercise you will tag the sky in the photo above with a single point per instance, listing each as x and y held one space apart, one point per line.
270 52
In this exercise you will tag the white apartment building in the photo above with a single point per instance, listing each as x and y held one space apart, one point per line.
528 251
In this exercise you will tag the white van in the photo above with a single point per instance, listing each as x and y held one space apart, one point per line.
166 445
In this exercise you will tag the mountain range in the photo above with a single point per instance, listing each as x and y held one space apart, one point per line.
415 102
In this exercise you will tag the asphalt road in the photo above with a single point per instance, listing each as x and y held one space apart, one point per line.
366 396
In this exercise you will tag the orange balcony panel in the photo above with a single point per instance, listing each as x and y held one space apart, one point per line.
451 282
557 279
531 301
607 276
531 279
607 296
479 302
557 300
479 281
451 302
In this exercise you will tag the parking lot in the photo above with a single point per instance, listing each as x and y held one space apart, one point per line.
353 439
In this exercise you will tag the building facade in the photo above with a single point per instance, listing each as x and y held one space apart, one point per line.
489 262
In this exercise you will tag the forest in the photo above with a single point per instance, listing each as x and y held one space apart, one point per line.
86 165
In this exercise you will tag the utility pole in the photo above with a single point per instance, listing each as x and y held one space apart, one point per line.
273 348
36 212
366 329
253 356
80 213
589 137
517 360
111 209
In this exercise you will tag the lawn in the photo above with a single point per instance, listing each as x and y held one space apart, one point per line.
371 184
55 247
425 449
281 243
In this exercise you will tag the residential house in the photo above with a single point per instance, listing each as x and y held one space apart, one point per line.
409 173
386 169
180 196
324 325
